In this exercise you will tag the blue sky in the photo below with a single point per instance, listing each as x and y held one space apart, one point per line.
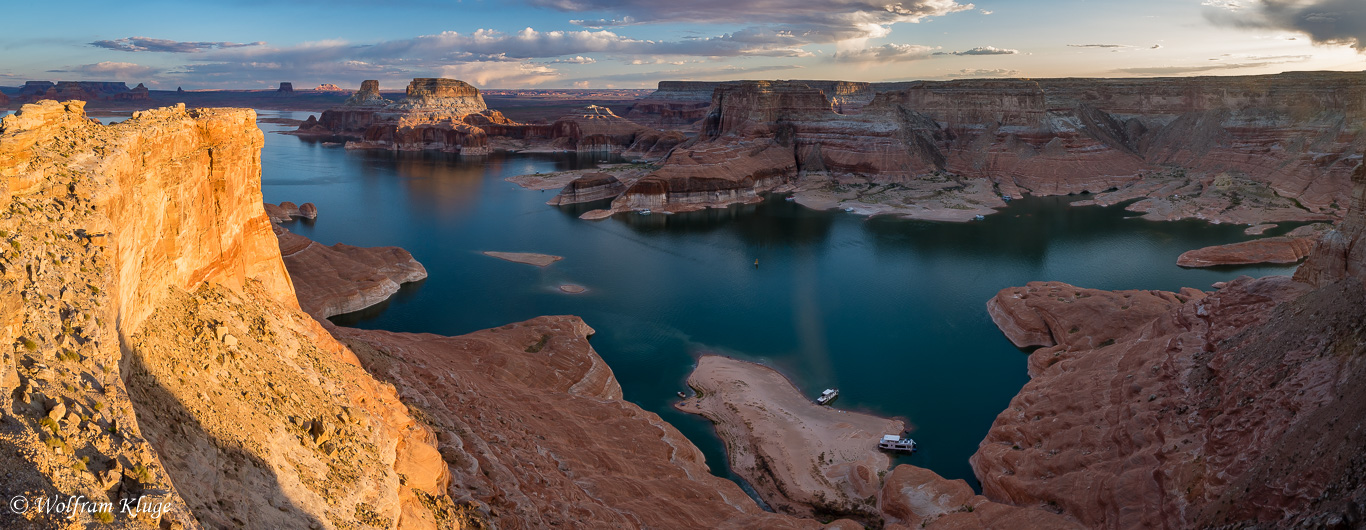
636 43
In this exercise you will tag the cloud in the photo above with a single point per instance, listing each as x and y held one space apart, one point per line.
603 22
1336 22
1255 62
982 72
147 44
887 53
820 21
982 50
111 70
698 74
491 73
986 12
577 59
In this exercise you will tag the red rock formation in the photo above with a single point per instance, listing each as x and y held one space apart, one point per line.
1341 254
590 187
34 91
450 115
176 305
327 87
4 100
682 103
342 278
915 497
1066 136
1282 249
1244 407
533 426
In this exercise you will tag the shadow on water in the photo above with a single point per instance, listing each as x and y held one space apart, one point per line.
406 293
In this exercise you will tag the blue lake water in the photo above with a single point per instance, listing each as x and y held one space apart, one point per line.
890 311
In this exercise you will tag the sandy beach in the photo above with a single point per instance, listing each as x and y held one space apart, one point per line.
802 458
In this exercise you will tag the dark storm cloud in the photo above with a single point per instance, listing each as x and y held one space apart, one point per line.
1324 21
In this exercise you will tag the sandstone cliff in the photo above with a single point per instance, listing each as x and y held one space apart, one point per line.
158 349
1239 149
342 278
1237 408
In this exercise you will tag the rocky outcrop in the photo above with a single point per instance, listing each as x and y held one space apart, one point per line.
1242 407
915 497
590 187
367 96
344 278
1341 254
288 211
286 88
167 355
533 427
1290 248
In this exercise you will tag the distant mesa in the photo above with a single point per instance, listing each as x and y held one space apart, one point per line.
138 93
285 88
328 87
34 91
4 100
367 96
450 115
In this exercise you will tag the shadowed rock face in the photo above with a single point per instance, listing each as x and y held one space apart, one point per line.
1245 406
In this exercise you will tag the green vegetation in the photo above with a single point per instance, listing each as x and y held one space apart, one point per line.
539 345
29 344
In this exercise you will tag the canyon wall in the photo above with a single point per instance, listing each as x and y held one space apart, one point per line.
1222 148
158 349
1237 408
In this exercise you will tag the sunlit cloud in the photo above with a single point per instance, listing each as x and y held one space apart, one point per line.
887 53
982 50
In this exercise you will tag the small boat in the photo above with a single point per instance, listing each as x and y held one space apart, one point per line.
827 396
682 396
645 212
980 217
849 209
790 198
1005 198
892 442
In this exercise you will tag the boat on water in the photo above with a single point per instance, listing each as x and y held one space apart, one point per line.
827 396
790 198
892 442
645 212
1005 198
980 217
682 395
849 209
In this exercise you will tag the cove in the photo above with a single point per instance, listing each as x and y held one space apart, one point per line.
890 311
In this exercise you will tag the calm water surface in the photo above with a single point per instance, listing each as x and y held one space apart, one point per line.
890 311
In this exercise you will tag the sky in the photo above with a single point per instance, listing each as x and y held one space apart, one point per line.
255 44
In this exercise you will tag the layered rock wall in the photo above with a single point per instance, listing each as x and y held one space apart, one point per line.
1237 408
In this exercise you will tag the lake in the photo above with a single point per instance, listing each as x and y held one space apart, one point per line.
892 312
